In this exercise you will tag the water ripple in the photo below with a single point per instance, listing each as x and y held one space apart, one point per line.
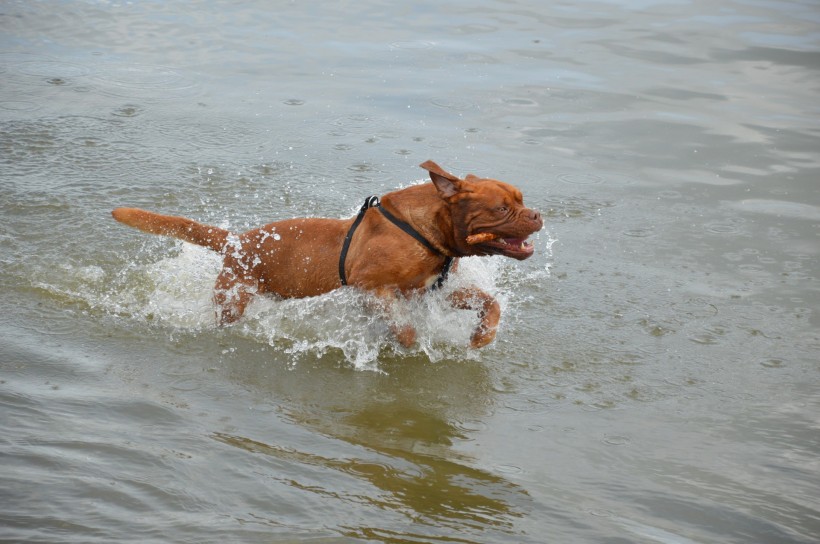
144 80
54 69
580 178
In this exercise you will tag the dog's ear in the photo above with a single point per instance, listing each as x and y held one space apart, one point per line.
447 184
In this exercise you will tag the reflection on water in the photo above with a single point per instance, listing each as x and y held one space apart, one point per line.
402 427
430 490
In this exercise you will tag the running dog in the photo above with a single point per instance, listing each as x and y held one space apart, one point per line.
399 246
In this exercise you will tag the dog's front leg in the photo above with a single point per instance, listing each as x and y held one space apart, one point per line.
386 299
489 312
232 294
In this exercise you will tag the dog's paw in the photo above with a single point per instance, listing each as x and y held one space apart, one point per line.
405 334
482 336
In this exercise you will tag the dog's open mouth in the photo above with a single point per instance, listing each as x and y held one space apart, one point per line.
519 248
490 244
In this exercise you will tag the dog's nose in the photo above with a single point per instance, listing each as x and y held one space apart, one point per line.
535 215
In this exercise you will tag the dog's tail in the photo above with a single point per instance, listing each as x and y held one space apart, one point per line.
185 229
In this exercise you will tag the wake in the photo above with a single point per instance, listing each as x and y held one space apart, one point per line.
175 294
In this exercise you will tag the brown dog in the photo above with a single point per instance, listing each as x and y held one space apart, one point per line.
442 221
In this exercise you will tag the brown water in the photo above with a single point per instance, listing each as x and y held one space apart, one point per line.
656 375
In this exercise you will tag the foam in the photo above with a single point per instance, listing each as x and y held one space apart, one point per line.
174 293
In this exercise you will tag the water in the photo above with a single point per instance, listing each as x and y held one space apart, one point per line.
655 378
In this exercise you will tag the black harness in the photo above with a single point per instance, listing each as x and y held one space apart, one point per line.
373 202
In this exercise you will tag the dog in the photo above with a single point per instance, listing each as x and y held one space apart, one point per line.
400 246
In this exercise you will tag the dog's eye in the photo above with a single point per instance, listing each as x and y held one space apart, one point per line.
502 209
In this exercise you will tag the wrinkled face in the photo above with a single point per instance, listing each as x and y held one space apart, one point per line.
490 219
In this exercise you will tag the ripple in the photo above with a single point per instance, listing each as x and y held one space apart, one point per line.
290 145
704 339
796 210
454 104
580 178
354 121
439 144
530 405
52 69
716 329
669 194
509 469
130 79
15 59
600 513
209 132
141 76
185 384
721 228
520 102
475 28
642 232
476 58
127 110
294 102
753 269
411 45
88 141
696 307
471 426
19 105
362 167
94 150
574 207
616 440
773 363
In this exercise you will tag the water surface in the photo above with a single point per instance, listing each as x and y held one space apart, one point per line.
655 377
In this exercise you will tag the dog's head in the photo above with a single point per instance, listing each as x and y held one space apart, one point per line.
489 216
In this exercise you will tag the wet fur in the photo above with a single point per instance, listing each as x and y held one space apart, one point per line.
299 257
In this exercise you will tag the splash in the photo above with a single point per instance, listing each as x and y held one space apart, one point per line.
174 293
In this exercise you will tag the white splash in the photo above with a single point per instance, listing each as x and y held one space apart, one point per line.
175 293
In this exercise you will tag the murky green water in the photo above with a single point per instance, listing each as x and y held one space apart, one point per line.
656 375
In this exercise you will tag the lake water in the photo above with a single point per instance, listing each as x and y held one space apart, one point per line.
655 378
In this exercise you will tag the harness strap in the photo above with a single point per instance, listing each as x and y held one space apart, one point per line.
373 202
408 229
368 203
445 271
